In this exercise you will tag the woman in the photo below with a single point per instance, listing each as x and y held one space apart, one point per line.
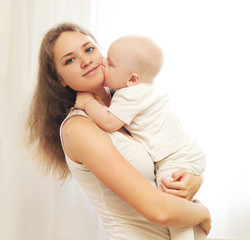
111 167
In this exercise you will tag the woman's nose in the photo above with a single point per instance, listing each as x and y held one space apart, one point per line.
85 62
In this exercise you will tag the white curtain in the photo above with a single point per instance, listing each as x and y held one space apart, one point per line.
34 207
206 73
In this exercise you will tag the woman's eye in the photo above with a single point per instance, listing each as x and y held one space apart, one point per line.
90 49
70 61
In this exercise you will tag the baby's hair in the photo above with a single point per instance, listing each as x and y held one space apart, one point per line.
147 55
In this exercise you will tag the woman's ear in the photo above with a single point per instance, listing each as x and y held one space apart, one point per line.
61 81
133 80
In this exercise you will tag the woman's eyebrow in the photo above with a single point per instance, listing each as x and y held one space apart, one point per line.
70 53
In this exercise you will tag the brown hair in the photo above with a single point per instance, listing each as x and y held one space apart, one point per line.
50 105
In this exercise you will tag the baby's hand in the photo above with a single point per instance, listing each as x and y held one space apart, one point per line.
82 98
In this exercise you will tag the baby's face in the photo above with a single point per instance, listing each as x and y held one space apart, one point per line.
116 67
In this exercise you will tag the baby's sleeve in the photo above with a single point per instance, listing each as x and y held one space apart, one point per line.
125 104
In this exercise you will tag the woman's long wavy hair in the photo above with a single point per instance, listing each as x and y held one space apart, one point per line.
50 105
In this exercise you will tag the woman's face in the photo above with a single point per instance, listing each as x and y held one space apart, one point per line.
78 62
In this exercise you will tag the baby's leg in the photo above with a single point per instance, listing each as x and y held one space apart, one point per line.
184 233
187 233
199 233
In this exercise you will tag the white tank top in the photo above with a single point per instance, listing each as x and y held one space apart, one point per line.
121 221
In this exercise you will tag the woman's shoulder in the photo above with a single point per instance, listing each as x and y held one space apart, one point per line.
75 122
78 124
78 133
75 117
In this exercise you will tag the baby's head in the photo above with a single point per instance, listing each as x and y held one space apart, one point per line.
132 60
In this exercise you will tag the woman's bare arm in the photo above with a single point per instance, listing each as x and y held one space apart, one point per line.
85 143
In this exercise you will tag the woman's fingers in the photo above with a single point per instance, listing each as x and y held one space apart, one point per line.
171 184
177 193
182 184
178 175
174 188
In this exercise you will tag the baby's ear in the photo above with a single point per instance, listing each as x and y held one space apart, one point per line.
133 80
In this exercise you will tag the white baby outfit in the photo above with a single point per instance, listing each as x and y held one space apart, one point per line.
121 222
147 117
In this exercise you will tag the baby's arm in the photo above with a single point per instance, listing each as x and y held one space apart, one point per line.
97 112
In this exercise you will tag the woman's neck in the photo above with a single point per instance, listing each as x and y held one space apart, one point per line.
103 96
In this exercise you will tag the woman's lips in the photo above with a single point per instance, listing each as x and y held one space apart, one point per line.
90 71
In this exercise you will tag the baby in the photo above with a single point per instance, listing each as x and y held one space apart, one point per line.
130 68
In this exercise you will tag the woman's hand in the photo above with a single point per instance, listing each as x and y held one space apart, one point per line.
183 184
205 225
82 98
